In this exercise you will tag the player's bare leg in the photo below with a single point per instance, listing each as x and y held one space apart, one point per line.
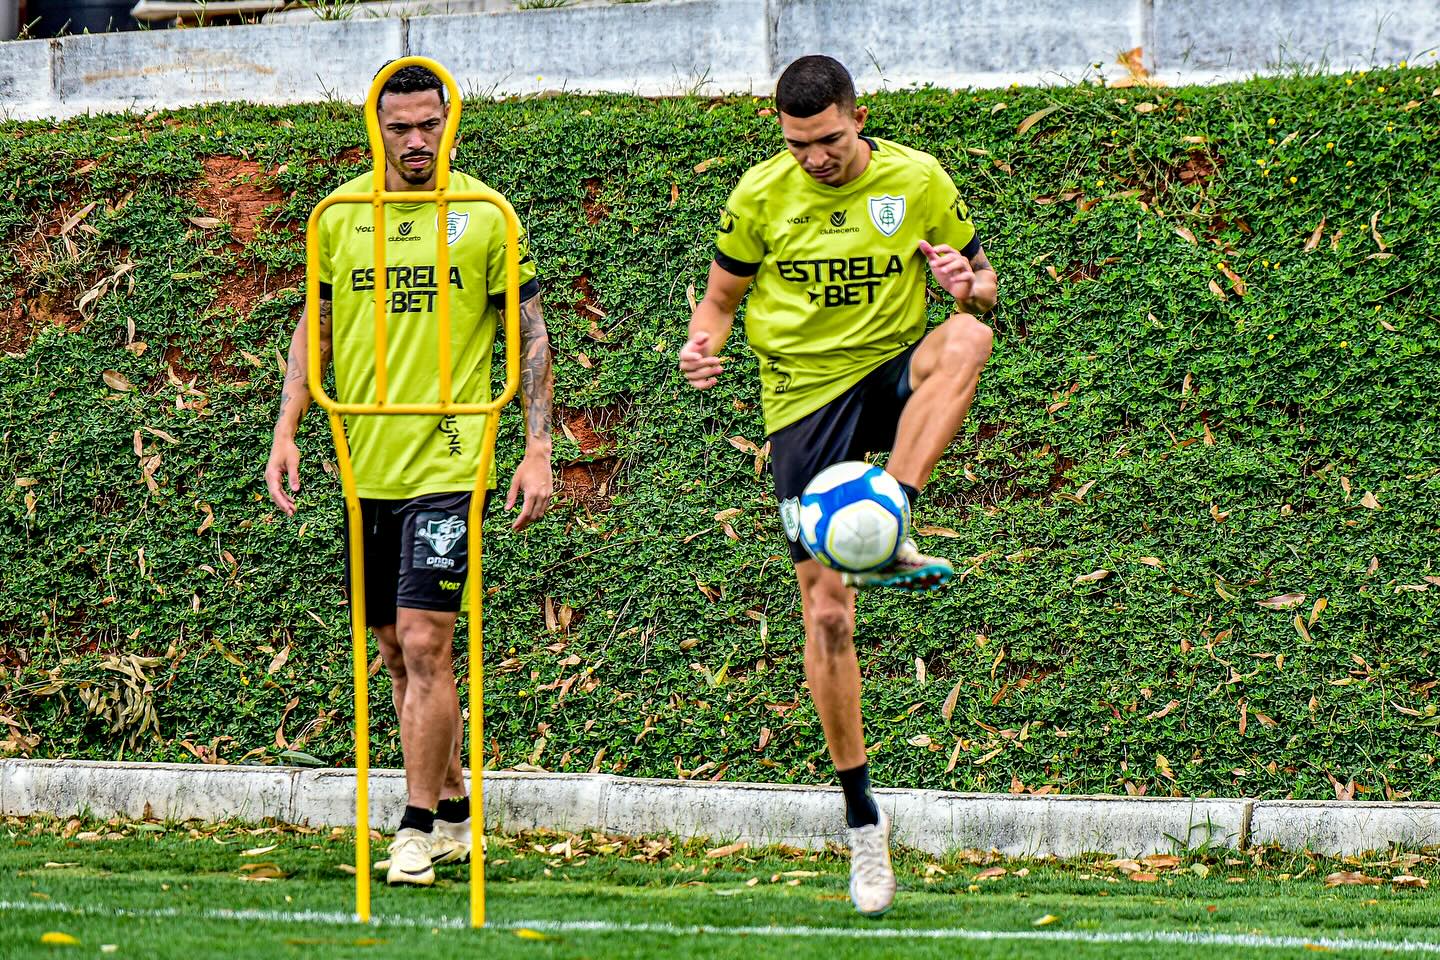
451 842
429 720
833 673
944 374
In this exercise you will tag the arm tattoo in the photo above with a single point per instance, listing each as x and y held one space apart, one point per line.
295 368
537 380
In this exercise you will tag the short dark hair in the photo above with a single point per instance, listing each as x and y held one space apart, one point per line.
410 80
811 84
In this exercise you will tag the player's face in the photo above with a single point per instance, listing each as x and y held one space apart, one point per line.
827 145
410 126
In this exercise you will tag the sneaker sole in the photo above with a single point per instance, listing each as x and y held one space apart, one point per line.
926 578
399 878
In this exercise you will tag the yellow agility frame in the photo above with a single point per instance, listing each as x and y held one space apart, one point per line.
441 196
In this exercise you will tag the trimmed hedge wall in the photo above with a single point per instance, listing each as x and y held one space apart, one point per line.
1215 379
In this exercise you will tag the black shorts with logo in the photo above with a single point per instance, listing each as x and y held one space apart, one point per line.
861 420
416 553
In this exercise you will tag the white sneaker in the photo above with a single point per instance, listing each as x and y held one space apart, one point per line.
910 570
450 842
410 859
872 878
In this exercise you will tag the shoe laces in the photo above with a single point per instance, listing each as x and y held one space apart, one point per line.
867 853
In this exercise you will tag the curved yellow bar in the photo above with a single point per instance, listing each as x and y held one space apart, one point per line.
441 197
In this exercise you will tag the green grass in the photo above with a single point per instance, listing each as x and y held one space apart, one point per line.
158 890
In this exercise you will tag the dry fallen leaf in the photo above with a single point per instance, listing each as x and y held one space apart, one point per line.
704 165
1406 880
1283 602
1186 235
1035 118
990 873
1369 502
1093 576
1351 878
730 849
1140 877
115 381
1314 240
1215 289
205 223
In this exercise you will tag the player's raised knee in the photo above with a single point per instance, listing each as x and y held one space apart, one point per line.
969 342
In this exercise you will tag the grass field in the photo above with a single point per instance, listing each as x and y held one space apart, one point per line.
183 891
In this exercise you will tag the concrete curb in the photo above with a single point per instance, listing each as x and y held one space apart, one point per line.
930 820
667 47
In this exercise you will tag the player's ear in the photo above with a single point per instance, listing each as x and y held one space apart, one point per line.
860 114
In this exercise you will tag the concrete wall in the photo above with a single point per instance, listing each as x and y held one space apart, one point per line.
713 46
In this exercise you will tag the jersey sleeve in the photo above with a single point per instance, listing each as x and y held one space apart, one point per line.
495 269
739 239
326 242
947 216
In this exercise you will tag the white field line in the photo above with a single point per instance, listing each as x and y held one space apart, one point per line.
1177 937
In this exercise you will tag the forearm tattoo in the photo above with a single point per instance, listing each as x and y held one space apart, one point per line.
295 387
537 379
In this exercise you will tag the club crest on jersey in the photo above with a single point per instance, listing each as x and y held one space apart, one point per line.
455 224
442 534
790 517
887 213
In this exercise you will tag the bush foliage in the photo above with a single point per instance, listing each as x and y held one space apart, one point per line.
1197 503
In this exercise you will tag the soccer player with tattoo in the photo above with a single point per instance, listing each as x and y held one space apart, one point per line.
415 474
836 233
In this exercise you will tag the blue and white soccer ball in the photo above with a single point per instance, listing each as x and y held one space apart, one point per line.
853 517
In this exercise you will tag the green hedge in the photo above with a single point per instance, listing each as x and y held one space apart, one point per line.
1210 450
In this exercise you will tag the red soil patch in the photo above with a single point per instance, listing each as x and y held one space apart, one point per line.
238 192
595 209
588 480
29 310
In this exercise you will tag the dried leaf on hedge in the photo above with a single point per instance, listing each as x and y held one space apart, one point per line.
1314 241
1093 576
1320 604
1035 118
116 381
730 849
1369 502
991 873
1375 232
1187 235
1236 283
1215 289
1283 602
1407 881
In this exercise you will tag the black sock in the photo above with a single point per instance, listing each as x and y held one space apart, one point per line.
418 818
454 810
860 808
912 493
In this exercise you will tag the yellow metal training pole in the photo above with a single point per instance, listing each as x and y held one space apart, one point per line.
442 197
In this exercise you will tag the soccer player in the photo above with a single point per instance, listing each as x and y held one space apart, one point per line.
415 474
835 233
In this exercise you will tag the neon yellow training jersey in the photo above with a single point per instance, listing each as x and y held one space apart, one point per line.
399 457
840 281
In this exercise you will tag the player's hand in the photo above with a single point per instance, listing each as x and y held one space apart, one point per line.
284 465
701 370
951 269
535 483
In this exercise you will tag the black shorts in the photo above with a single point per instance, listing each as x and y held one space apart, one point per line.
416 553
861 420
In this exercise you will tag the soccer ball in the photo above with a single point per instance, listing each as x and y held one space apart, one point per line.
853 517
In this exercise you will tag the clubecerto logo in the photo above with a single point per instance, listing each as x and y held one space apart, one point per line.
406 227
837 219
